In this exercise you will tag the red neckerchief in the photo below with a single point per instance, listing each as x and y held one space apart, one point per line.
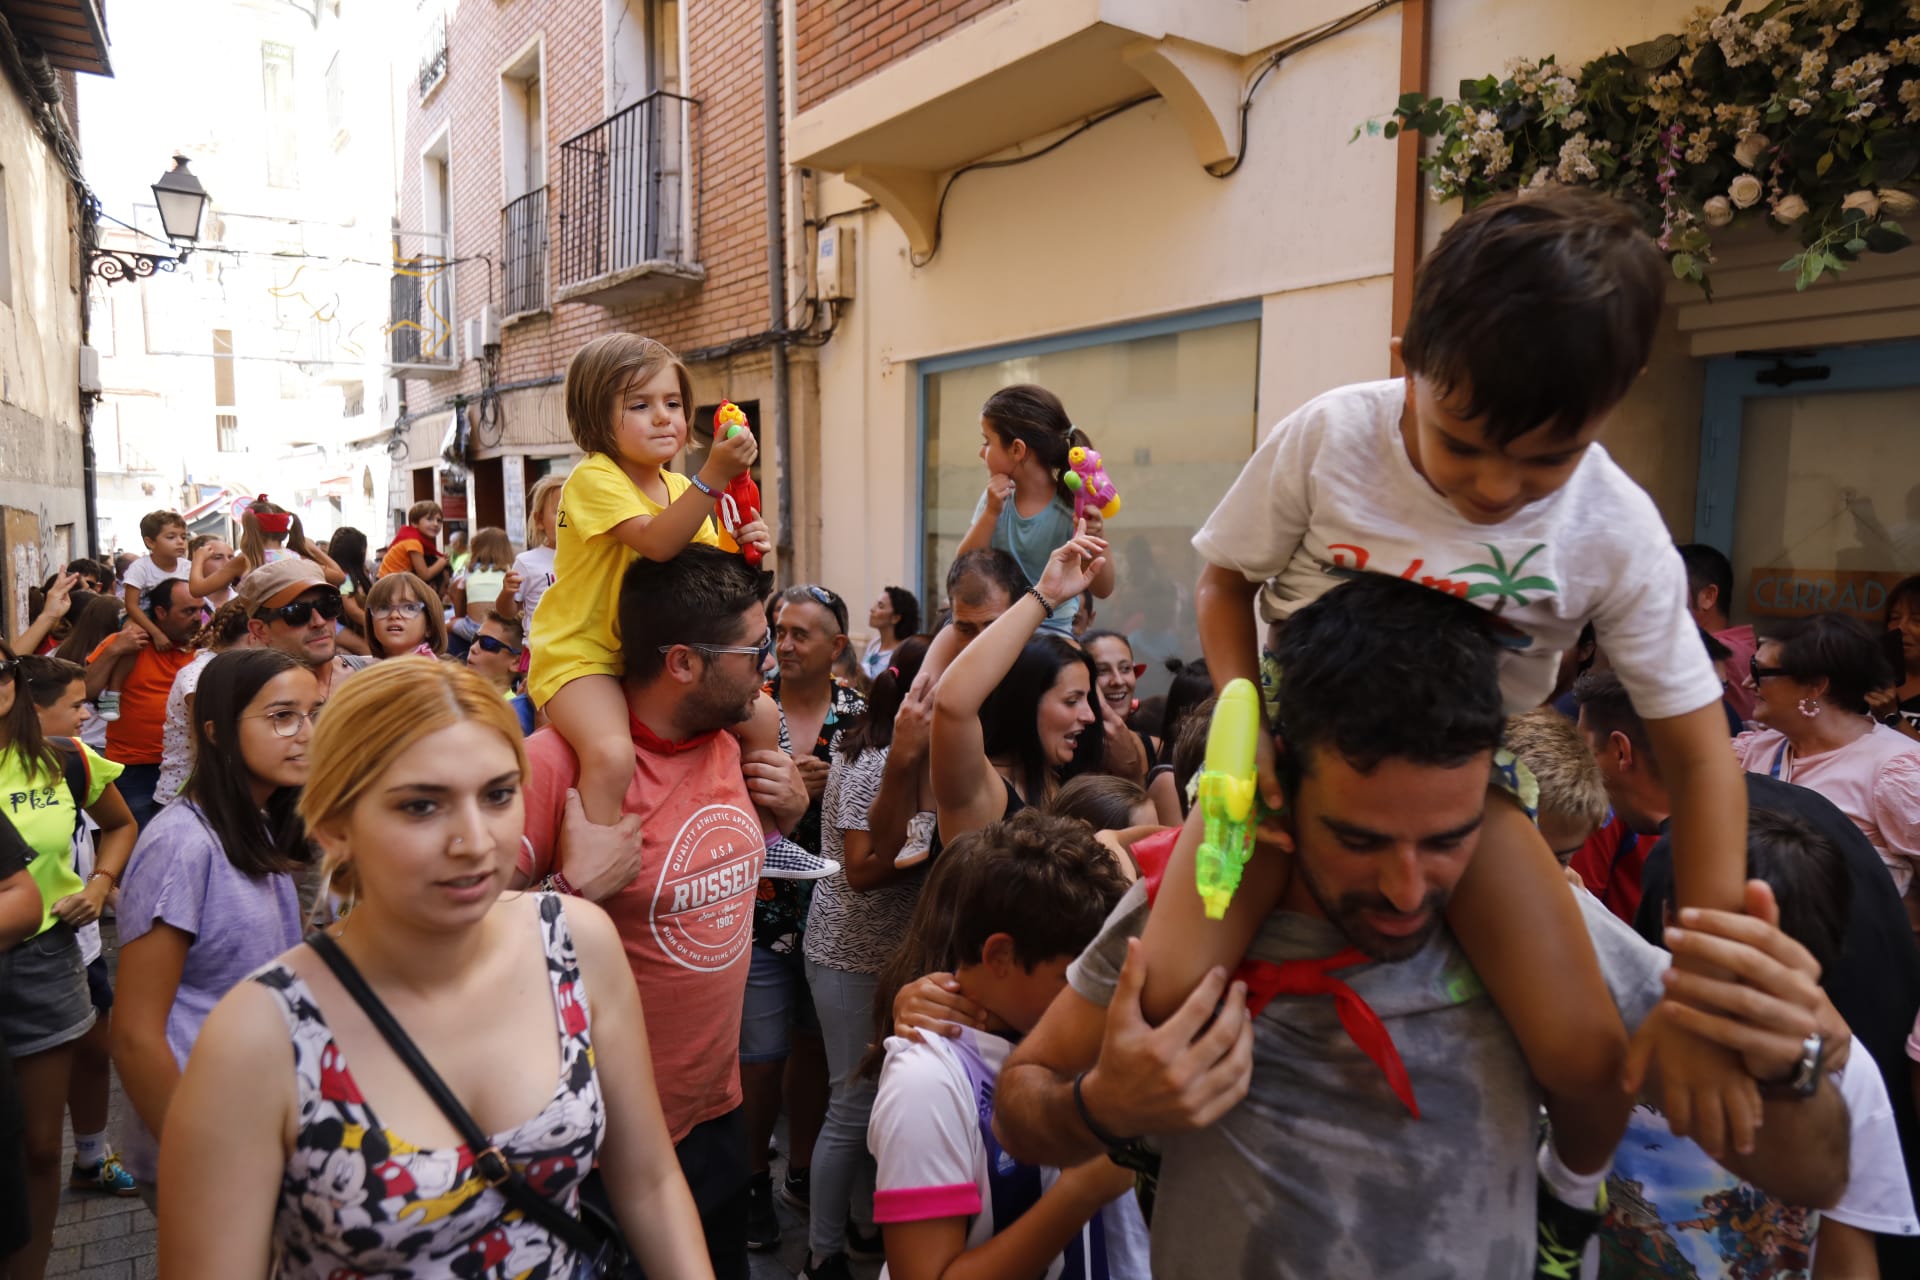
647 740
1266 980
426 544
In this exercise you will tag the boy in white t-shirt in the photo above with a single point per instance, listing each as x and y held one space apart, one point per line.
1006 909
1478 474
165 533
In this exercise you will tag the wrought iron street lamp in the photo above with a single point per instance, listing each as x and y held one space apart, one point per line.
182 202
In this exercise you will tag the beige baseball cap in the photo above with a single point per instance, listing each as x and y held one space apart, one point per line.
282 582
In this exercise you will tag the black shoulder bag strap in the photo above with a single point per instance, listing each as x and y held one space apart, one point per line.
78 775
598 1254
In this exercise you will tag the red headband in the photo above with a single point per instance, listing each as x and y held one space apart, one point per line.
277 523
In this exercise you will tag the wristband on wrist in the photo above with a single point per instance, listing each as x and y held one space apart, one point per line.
1045 603
558 883
100 872
1100 1134
702 485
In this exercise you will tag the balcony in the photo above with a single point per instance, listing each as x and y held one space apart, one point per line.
625 208
433 57
523 253
72 33
420 305
1029 67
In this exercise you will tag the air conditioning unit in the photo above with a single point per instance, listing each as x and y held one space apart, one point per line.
833 264
89 371
483 331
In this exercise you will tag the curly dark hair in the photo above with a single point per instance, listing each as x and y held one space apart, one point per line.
1380 669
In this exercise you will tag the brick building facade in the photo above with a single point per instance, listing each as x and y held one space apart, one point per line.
841 42
581 167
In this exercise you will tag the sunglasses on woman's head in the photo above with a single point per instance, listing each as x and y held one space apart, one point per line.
492 645
300 612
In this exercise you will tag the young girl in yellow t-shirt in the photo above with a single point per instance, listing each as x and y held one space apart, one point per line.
627 403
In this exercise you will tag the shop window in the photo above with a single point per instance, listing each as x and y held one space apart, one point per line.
1172 443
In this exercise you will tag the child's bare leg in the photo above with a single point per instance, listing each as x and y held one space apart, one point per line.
761 732
1519 923
1182 945
591 714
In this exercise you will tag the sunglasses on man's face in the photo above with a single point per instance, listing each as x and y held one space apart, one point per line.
491 645
300 612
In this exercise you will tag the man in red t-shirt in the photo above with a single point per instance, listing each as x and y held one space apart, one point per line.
134 740
695 634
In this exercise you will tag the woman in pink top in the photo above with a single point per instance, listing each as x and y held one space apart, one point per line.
1811 685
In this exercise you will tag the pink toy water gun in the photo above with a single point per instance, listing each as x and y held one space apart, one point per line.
1091 485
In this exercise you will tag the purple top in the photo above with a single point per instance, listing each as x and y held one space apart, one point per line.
179 875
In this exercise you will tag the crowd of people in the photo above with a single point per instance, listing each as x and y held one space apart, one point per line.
482 910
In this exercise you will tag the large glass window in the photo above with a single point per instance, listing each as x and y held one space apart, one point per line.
1828 510
1172 415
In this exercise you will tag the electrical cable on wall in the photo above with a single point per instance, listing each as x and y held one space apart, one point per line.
1300 43
940 210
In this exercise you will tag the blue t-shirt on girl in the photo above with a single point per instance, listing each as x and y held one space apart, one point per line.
1031 541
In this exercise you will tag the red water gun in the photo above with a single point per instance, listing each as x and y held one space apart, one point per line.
739 502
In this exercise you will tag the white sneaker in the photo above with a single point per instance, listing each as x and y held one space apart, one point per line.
919 845
108 705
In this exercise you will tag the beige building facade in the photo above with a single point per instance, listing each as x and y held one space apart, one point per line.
1181 314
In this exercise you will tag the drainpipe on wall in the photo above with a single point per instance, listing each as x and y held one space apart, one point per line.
89 478
1416 43
777 281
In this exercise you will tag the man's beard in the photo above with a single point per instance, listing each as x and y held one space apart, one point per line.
710 706
1346 915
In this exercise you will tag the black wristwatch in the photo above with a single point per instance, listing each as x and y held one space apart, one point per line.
1803 1078
1893 720
1106 1139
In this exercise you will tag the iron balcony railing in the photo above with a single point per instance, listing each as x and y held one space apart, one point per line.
623 187
420 303
523 252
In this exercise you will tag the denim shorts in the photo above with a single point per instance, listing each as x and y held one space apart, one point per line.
778 1002
44 1002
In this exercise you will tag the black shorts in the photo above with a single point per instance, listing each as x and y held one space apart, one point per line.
99 985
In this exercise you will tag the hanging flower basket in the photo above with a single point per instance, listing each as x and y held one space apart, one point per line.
1805 116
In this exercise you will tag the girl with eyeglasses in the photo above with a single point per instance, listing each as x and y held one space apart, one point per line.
404 617
45 1004
210 895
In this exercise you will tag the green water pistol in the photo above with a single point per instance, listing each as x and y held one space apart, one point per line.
1226 795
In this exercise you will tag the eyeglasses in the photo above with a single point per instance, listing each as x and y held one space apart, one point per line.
300 612
492 645
1760 673
286 722
408 609
760 651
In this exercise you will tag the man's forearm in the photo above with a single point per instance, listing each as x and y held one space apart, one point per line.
1801 1152
1035 1119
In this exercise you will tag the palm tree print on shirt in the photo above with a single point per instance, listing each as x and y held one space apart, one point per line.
1507 585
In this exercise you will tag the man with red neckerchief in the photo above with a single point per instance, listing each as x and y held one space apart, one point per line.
694 635
1357 1106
